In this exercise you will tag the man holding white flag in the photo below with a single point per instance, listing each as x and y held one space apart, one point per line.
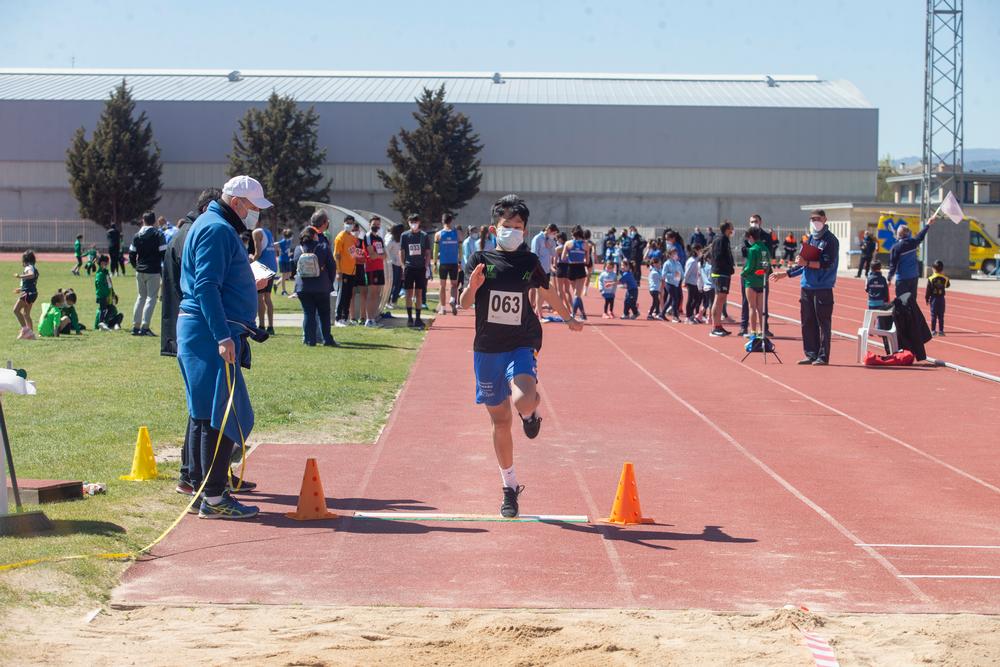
903 255
950 208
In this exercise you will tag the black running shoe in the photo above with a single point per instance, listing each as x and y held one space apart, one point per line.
806 361
238 486
509 509
532 425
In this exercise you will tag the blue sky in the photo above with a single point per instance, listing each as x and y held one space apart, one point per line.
877 44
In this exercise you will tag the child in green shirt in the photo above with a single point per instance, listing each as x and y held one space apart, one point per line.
69 310
53 320
754 274
108 316
78 253
91 266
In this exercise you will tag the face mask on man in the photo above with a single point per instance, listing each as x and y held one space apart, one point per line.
509 238
375 229
414 226
817 225
252 218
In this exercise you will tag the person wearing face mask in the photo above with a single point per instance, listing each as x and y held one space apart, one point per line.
817 263
509 335
543 244
217 312
375 269
755 222
415 248
448 260
344 252
359 303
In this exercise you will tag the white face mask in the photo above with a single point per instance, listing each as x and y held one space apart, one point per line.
414 226
817 225
358 234
509 238
251 220
348 226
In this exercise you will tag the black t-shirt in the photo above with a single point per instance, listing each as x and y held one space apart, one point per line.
505 320
413 245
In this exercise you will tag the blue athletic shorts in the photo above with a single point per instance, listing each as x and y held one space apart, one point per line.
496 370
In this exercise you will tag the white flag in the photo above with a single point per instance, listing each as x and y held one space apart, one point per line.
951 208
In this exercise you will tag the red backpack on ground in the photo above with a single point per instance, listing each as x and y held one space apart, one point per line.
901 358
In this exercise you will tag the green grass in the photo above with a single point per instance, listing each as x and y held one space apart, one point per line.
95 390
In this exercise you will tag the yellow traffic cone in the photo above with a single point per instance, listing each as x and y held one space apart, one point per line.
143 462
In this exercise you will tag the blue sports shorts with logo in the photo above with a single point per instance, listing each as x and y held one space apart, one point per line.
496 370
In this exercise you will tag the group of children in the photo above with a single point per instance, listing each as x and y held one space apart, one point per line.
59 315
877 289
668 280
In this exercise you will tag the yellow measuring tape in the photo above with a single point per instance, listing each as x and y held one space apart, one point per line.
132 555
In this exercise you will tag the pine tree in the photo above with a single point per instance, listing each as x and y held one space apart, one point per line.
279 146
435 167
116 175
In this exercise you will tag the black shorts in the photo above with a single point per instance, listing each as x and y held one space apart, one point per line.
721 284
360 277
376 277
266 288
448 271
415 277
577 272
30 297
562 270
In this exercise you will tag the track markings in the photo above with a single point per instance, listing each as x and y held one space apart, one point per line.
949 576
770 472
434 516
931 546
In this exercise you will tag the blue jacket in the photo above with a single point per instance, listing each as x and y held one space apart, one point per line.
216 281
323 283
825 277
903 257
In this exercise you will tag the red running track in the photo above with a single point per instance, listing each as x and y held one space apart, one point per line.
972 322
763 480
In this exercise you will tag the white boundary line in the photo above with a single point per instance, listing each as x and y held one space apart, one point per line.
438 516
931 546
843 530
950 576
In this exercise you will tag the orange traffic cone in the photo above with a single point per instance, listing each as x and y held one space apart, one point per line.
312 501
626 509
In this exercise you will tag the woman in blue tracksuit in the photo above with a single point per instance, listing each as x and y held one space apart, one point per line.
903 259
218 307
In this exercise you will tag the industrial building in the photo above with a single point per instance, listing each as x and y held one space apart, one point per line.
590 149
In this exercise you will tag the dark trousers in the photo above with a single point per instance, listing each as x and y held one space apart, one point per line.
204 461
344 297
655 308
185 474
708 300
609 304
907 285
816 313
315 313
397 283
694 299
937 313
865 265
672 301
632 302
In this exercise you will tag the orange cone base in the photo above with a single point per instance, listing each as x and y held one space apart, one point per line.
313 516
626 522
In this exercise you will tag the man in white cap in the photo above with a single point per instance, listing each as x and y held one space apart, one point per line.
217 312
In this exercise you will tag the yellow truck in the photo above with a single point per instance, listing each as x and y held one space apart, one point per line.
984 252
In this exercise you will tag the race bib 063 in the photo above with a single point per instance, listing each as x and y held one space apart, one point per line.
505 308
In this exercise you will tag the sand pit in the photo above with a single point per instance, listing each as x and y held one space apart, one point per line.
294 635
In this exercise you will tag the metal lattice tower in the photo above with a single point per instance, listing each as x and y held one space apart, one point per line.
943 92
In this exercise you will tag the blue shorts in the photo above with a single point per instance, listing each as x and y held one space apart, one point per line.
496 370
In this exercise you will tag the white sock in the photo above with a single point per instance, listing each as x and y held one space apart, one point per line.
509 477
213 500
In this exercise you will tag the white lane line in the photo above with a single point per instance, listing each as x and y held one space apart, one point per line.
438 516
841 528
931 546
950 576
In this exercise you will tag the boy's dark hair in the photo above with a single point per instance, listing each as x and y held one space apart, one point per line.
725 227
70 296
577 232
938 265
79 236
207 196
552 227
509 206
28 257
373 219
753 233
446 217
149 218
103 259
876 265
413 217
349 218
696 248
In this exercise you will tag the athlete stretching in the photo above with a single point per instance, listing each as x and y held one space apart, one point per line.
508 334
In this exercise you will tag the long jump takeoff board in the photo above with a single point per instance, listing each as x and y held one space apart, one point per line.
430 516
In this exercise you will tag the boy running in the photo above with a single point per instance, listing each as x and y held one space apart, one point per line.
508 334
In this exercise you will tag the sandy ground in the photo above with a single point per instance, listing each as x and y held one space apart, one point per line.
291 635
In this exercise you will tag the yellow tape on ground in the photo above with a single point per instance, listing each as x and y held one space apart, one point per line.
135 554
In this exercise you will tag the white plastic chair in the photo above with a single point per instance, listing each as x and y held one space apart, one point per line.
870 328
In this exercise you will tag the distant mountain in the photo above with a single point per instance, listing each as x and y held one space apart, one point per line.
976 159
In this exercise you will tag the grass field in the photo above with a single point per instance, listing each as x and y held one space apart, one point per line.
96 389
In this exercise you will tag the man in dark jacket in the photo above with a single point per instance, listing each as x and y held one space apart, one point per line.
171 300
723 267
697 238
903 258
868 245
115 249
145 254
314 291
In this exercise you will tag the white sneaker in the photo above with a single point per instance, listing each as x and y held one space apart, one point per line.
103 327
340 323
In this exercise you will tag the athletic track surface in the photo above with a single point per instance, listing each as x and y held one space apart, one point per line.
840 488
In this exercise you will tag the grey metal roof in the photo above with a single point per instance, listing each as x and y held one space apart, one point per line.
462 88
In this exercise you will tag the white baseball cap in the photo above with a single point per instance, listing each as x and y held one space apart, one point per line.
248 188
